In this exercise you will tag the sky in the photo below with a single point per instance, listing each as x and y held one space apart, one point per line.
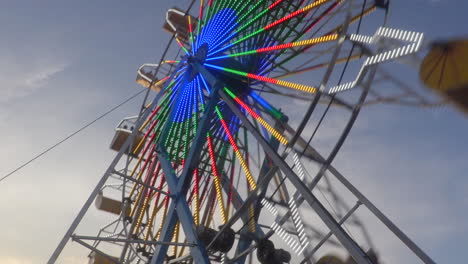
63 63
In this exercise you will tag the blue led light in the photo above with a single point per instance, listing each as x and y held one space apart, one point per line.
217 58
200 93
261 101
206 85
215 28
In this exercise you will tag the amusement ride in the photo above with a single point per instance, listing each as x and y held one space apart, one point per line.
231 157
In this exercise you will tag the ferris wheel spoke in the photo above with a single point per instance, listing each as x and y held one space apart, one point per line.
268 89
292 85
156 208
200 17
273 24
236 150
320 66
279 47
337 29
244 26
220 39
257 117
217 180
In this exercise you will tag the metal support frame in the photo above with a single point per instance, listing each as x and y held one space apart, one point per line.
86 245
139 207
141 183
179 210
237 203
245 240
178 185
96 190
344 238
327 236
354 249
142 116
145 190
74 237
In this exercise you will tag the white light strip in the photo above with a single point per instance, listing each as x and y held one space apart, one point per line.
297 222
409 36
299 166
297 247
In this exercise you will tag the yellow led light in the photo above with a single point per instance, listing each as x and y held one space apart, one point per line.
296 86
151 220
365 13
162 222
137 178
141 214
246 170
251 219
175 238
219 195
275 133
140 143
134 208
315 40
197 209
314 4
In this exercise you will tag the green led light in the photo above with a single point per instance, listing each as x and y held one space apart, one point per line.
248 36
252 20
235 72
229 92
218 112
243 53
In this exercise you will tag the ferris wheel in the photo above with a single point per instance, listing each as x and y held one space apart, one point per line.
231 157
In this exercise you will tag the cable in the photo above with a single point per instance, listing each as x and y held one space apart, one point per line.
71 135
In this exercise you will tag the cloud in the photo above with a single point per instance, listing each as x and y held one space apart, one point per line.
14 260
25 260
20 80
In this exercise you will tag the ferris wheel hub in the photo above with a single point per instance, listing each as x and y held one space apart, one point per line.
201 53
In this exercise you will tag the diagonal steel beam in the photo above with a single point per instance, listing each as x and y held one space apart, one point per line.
179 187
357 253
183 214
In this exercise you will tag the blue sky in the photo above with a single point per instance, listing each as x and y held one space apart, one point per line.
65 62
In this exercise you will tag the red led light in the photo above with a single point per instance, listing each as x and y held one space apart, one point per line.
212 157
228 133
153 180
262 78
274 4
197 181
281 20
190 25
282 46
248 109
161 183
322 16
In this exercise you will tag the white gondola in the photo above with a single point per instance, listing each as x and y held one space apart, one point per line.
370 253
123 130
177 23
330 259
110 205
95 258
146 78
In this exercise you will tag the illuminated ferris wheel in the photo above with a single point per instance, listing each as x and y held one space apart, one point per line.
231 157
